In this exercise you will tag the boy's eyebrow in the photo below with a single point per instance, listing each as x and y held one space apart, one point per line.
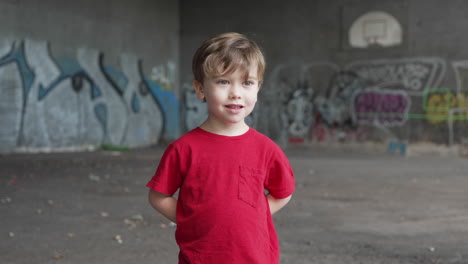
246 76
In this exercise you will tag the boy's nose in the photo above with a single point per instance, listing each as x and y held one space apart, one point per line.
234 96
234 93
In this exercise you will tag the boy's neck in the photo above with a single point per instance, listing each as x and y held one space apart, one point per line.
230 130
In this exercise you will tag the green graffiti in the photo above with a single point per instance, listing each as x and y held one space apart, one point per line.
439 105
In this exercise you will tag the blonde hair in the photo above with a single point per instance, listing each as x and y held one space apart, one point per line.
226 53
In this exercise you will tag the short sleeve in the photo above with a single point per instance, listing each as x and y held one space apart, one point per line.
280 178
167 178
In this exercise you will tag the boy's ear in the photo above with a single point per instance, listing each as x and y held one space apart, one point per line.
198 87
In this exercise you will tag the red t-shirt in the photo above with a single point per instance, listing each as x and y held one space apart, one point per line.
222 211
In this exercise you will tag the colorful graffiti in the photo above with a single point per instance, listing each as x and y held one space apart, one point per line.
66 103
389 108
299 113
441 103
415 74
342 102
323 133
165 75
196 110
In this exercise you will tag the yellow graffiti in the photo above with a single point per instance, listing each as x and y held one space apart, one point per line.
440 106
164 75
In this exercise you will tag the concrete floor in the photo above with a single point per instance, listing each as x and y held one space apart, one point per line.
348 208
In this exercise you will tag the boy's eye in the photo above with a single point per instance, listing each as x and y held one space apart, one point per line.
248 83
222 82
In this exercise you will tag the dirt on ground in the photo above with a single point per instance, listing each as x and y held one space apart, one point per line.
349 207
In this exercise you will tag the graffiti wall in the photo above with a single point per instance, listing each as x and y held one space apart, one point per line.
63 103
367 100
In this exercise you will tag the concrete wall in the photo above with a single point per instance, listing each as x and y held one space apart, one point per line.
319 87
80 74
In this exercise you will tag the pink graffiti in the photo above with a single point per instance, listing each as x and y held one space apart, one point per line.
386 107
322 133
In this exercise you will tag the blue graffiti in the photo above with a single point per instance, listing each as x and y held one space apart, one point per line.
76 76
170 108
18 57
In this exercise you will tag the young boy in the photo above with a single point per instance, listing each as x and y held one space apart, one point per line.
223 167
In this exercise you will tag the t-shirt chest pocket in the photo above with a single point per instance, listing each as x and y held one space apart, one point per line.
250 185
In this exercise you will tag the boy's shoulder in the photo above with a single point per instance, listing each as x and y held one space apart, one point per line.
186 138
264 139
261 136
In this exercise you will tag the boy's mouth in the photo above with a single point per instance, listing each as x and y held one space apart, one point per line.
234 106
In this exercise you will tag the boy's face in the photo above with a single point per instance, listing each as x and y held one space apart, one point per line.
230 98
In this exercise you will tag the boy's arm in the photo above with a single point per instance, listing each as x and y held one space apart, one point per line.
164 204
277 204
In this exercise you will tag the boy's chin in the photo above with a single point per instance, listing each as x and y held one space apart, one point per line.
235 123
